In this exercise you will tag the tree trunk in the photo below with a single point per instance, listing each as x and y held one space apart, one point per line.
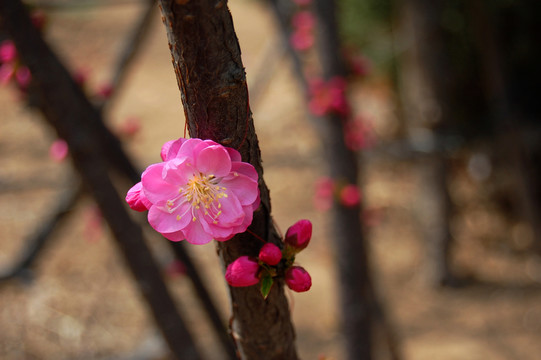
206 59
356 295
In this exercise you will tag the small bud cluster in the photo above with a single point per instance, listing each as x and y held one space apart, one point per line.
274 262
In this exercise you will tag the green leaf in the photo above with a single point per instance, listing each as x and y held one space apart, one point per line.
266 285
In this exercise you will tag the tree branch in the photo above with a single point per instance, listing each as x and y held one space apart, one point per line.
211 78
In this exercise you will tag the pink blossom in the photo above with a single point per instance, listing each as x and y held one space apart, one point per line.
357 135
202 191
23 76
8 52
130 127
7 70
350 195
136 198
58 150
302 2
303 20
302 39
242 272
270 254
105 91
299 234
298 279
323 196
327 97
175 268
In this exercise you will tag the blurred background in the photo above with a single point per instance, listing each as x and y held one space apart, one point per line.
446 94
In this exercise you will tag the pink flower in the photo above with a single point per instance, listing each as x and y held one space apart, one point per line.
357 135
270 254
7 70
175 268
298 279
136 198
23 76
350 195
129 127
242 272
58 150
303 20
105 91
323 196
302 39
327 97
299 234
202 191
8 52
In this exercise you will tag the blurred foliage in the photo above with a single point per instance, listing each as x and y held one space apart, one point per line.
366 25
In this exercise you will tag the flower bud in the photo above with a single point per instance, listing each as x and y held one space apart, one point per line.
136 198
299 234
298 279
270 254
242 272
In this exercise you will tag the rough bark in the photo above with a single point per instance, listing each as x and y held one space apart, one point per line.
356 296
66 108
211 78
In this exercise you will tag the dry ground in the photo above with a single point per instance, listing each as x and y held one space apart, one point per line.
81 303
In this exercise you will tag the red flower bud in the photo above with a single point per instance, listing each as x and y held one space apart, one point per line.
298 279
270 254
299 234
242 272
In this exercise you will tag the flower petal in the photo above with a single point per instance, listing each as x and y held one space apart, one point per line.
165 222
155 188
213 160
195 234
245 188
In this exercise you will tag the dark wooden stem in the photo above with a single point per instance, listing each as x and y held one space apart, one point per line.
62 102
212 82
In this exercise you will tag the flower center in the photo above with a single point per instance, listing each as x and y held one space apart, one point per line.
203 192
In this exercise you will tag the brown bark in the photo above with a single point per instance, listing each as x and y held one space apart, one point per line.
67 109
356 294
206 59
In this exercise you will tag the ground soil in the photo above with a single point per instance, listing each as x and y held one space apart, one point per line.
79 301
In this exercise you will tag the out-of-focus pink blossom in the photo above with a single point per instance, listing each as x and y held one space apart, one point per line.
39 19
7 70
302 2
357 135
202 191
350 195
136 198
242 272
23 76
324 190
175 268
270 254
129 127
298 279
327 97
105 91
299 234
302 39
81 76
58 150
303 20
8 52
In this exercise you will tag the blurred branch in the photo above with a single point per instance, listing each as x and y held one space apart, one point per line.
61 102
